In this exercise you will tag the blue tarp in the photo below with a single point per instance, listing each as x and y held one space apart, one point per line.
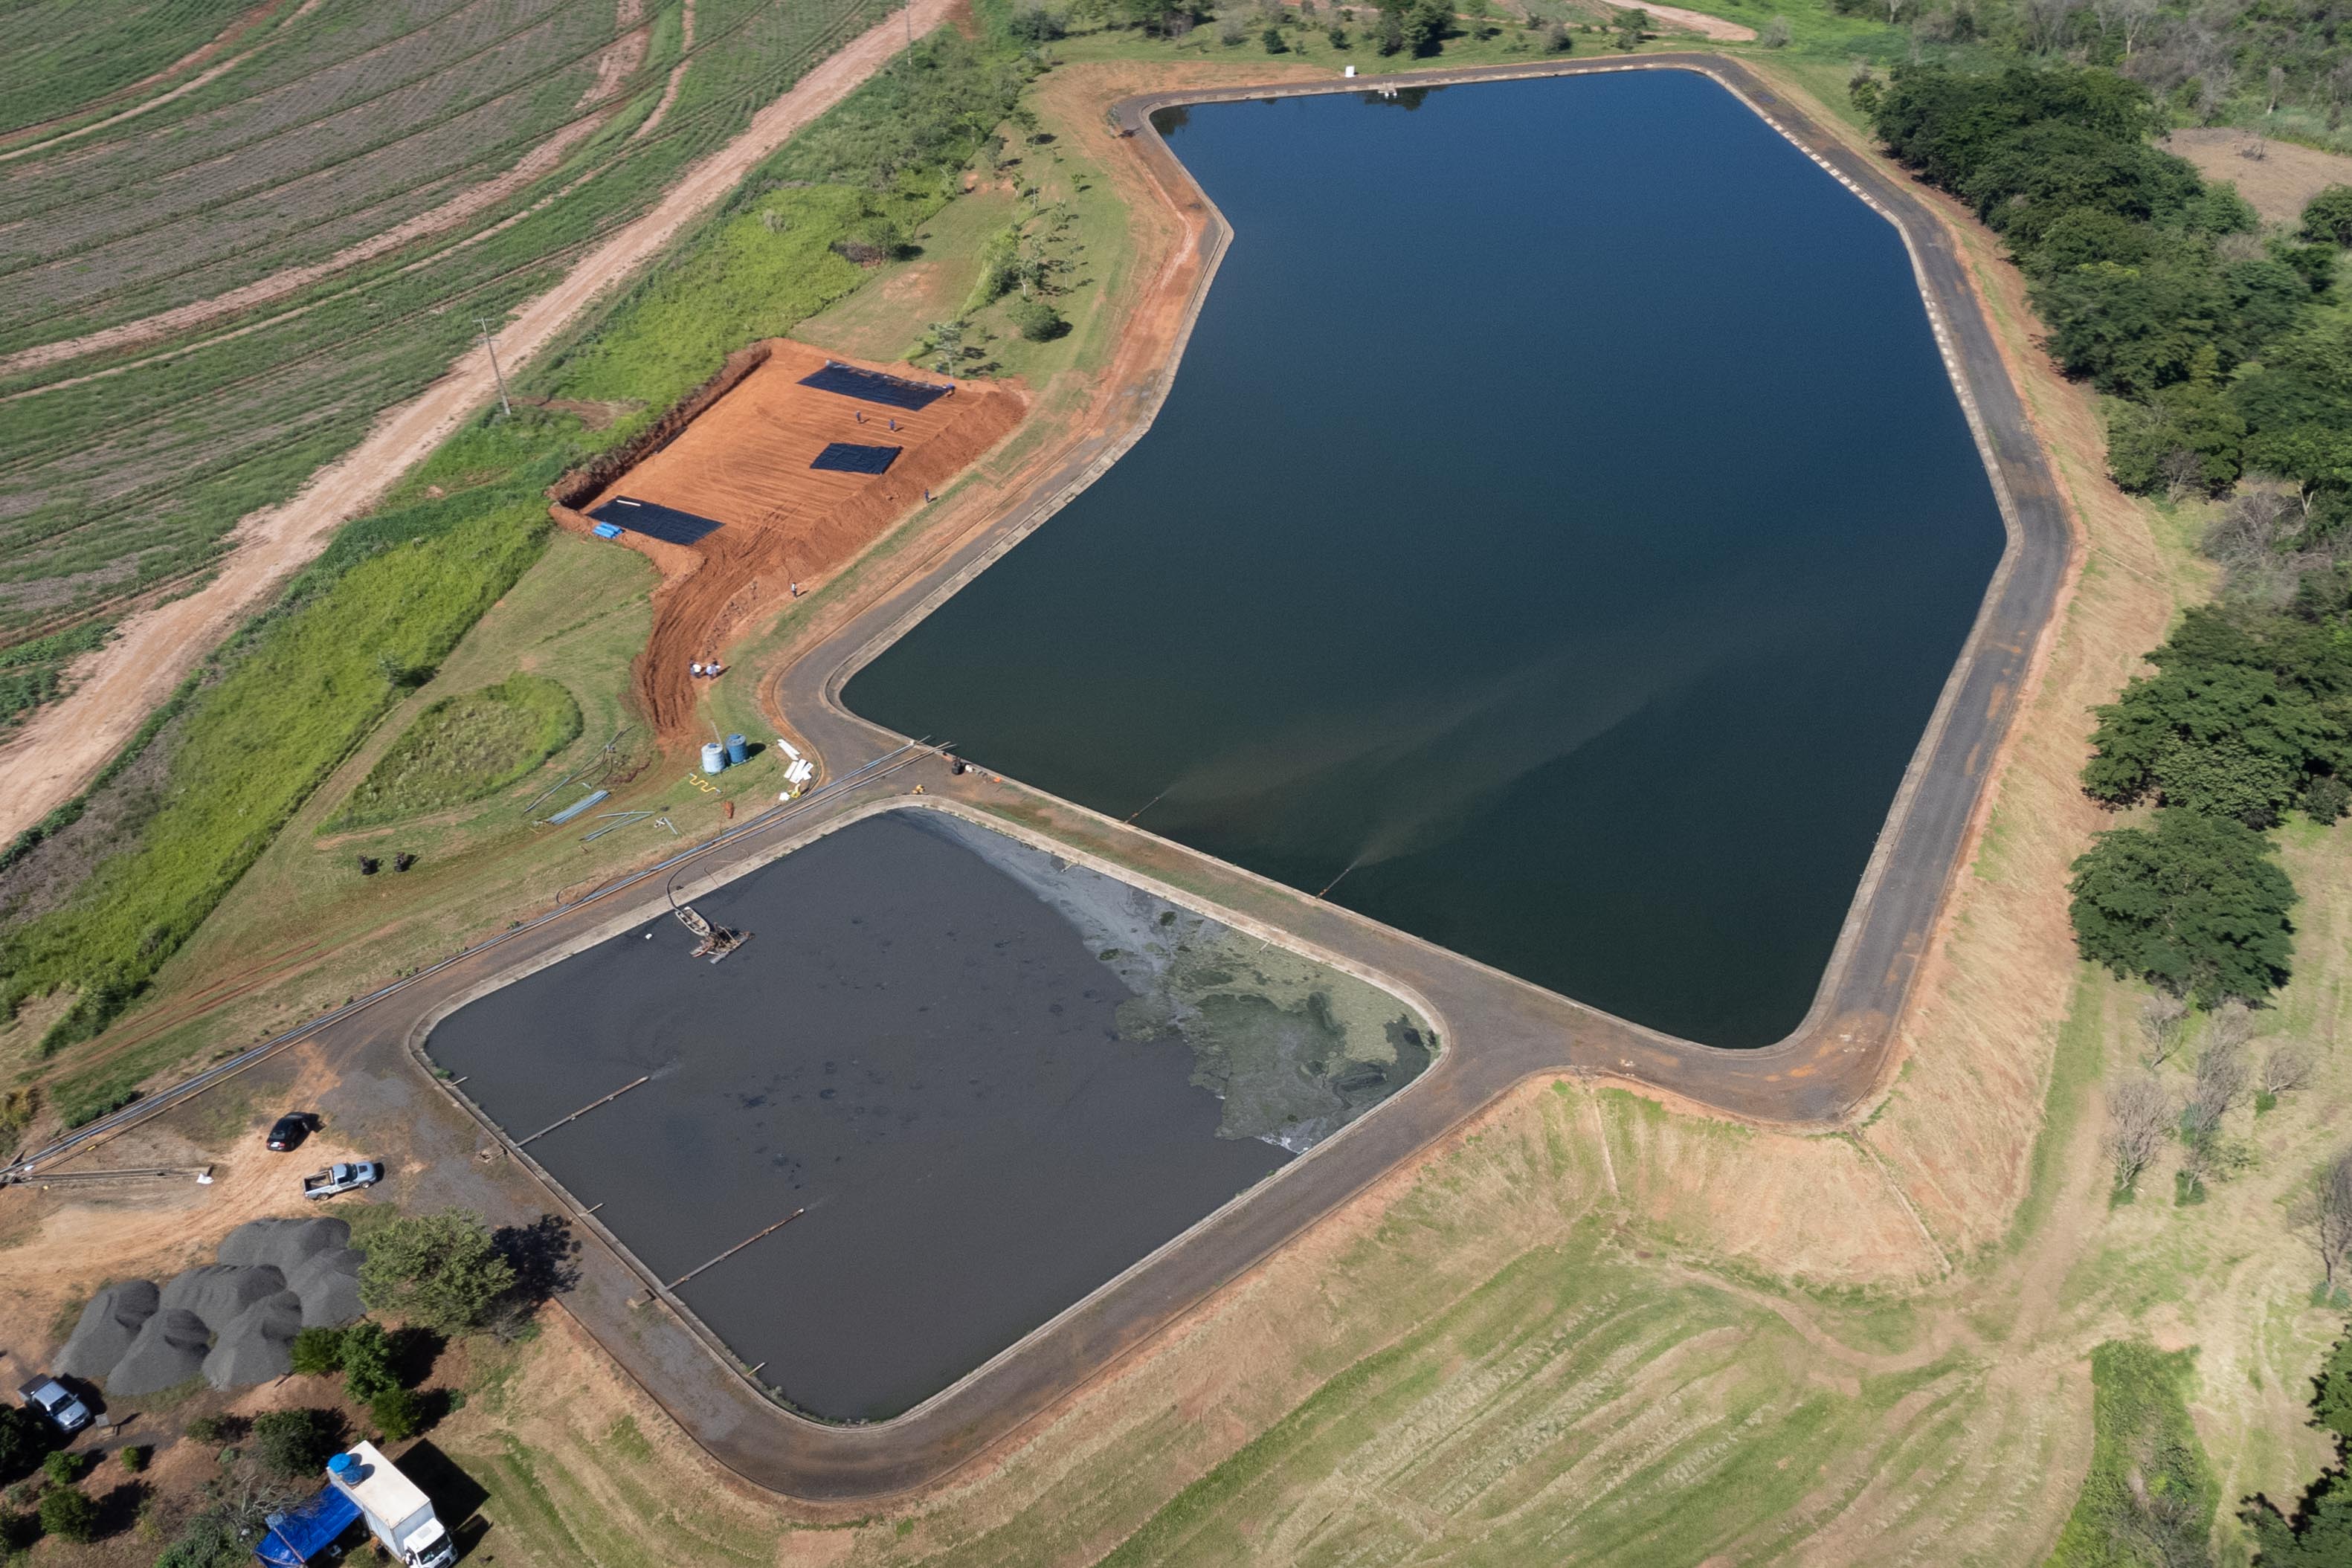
293 1538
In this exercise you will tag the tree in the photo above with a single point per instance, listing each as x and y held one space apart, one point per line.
2328 1217
69 1515
2286 1068
2138 1117
291 1443
1275 44
2193 904
1037 321
1626 23
2327 216
2163 1019
2220 1080
1776 35
2320 1533
439 1269
24 1438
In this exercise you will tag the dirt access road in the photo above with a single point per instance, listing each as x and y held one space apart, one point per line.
63 746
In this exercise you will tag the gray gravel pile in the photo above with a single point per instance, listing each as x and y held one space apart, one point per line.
283 1244
257 1344
328 1284
170 1350
217 1293
234 1320
108 1326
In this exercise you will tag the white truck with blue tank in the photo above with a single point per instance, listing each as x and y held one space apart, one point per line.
396 1508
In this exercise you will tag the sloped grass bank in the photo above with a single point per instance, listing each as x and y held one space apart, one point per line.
2150 1494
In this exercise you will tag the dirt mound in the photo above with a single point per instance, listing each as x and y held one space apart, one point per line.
170 1351
217 1292
257 1344
108 1326
328 1285
284 1244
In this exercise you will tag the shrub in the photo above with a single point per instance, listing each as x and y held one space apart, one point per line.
1037 321
1775 36
367 1362
290 1443
133 1458
61 1468
214 1429
2326 799
437 1270
17 1531
69 1515
399 1413
318 1352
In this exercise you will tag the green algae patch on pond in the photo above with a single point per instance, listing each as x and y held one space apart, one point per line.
1293 1049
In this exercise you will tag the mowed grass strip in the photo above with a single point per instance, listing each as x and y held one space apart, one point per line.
464 748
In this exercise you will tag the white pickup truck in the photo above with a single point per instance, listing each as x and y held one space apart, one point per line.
342 1176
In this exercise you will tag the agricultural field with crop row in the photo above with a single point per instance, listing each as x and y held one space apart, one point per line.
542 125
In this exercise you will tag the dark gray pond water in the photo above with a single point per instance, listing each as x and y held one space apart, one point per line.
923 1044
1562 525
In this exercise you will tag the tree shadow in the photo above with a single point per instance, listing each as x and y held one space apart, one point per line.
545 1257
117 1508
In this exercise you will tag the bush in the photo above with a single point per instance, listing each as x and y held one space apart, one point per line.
25 1437
399 1413
318 1352
69 1515
17 1531
1037 321
2327 216
437 1269
133 1458
367 1362
61 1468
2327 798
214 1429
2194 904
296 1442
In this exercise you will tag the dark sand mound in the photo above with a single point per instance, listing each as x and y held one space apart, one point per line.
257 1344
170 1350
108 1326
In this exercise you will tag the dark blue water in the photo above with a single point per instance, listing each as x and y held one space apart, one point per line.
1562 525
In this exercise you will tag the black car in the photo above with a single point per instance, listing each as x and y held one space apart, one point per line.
288 1131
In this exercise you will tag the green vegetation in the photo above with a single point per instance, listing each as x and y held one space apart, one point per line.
464 748
439 1269
318 1352
25 1440
296 1442
65 54
2150 1495
365 1362
69 1515
33 673
2193 904
2319 1532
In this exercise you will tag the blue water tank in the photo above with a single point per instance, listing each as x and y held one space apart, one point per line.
714 757
735 752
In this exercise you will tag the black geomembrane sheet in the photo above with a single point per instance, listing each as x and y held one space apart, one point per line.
655 521
846 457
872 386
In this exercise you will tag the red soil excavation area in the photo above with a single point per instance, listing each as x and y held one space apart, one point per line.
739 453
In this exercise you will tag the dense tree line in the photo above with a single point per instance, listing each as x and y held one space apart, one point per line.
2222 355
2154 286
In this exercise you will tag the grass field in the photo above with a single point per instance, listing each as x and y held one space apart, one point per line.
464 748
67 54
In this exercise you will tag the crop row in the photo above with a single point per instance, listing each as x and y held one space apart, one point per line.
64 54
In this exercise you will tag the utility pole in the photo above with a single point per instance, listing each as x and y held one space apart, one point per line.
493 348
